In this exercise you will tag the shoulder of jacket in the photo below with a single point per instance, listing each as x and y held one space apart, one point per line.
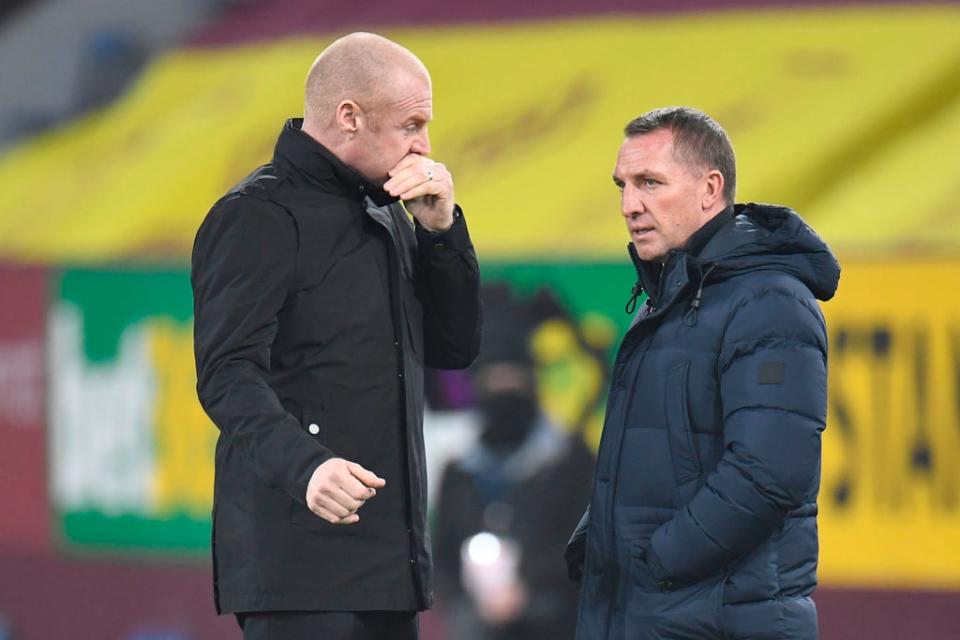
258 188
259 184
764 282
250 204
772 296
245 213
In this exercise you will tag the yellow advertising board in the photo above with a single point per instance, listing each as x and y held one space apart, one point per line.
850 115
890 498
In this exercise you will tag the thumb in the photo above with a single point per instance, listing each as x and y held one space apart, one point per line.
369 478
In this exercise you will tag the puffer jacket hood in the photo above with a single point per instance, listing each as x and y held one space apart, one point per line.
758 236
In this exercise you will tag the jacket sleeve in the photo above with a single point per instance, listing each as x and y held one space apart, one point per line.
449 288
773 389
243 259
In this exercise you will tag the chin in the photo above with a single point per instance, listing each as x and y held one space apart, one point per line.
377 181
646 253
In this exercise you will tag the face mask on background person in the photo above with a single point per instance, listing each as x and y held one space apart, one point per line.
507 417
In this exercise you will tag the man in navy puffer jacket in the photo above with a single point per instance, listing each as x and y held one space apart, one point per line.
702 522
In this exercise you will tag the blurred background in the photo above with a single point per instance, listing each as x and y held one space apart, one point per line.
122 121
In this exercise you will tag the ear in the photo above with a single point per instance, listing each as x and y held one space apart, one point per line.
348 117
712 193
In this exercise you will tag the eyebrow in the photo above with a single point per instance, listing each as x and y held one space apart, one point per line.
417 117
644 174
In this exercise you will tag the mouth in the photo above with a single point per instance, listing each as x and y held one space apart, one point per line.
639 233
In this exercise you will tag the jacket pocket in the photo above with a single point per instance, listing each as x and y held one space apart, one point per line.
634 534
686 463
640 574
301 515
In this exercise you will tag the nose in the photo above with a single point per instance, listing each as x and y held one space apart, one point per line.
631 204
421 144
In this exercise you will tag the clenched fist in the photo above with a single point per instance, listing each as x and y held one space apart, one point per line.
338 488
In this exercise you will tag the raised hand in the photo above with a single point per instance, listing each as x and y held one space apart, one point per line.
426 188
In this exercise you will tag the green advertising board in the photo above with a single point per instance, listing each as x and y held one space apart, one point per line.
131 451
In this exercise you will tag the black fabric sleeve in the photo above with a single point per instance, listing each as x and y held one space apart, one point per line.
449 288
243 259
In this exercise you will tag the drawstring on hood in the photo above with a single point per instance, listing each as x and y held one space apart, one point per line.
690 319
634 296
753 236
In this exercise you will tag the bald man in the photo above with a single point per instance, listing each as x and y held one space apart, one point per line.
318 302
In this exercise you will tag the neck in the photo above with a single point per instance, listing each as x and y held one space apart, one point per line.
330 138
699 239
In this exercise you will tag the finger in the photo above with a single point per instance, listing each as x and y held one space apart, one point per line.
440 173
406 181
433 174
368 478
327 515
356 490
329 504
344 484
441 185
412 174
353 497
408 160
351 519
426 172
332 518
425 189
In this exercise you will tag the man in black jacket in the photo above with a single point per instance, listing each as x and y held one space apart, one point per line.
317 304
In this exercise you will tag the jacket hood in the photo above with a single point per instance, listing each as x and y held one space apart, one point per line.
758 236
765 236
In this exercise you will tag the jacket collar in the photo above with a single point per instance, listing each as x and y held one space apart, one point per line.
650 274
748 237
701 237
298 152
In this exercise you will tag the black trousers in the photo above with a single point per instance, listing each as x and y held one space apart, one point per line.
329 625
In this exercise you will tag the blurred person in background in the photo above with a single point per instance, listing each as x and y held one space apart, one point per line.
111 59
318 302
702 522
505 509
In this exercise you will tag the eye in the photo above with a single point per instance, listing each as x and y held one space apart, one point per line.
618 184
412 128
649 182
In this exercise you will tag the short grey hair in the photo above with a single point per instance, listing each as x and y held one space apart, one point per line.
698 140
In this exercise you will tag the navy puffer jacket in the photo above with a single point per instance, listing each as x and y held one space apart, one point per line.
702 521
